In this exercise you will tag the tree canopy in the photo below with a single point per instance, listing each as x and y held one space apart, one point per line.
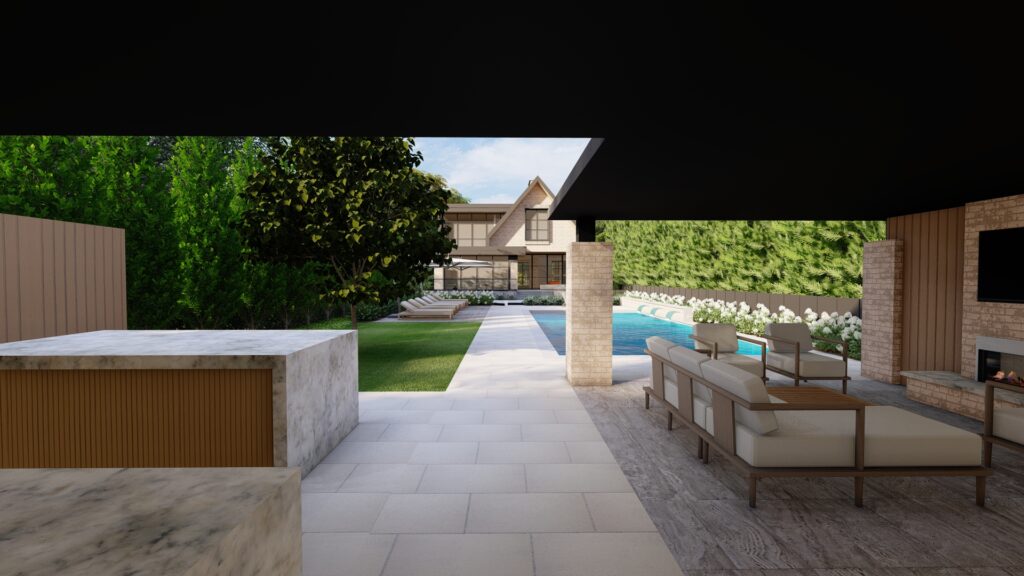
357 205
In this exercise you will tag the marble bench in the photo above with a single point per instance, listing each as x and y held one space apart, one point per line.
952 392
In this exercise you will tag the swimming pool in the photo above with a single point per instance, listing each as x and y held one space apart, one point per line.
630 331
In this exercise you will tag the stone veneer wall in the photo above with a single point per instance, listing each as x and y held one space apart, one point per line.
996 319
956 400
588 314
882 311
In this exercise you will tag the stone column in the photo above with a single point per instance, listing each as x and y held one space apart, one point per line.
882 311
588 314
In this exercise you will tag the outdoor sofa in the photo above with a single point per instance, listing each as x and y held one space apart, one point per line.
721 342
791 353
415 310
1003 426
732 412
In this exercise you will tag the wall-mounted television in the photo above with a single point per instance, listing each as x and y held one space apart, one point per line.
1001 265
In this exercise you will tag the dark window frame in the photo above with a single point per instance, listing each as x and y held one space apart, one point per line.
538 233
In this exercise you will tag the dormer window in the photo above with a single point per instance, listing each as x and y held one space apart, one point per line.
537 226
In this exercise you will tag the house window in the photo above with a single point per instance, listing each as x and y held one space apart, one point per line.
537 226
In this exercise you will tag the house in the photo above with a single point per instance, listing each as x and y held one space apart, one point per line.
527 251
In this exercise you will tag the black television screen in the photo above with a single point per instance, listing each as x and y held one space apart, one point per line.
1000 266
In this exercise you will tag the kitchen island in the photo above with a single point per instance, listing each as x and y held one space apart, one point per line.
177 398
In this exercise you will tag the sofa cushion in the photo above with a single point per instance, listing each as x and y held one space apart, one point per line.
692 362
660 346
722 334
671 392
1008 423
746 386
812 364
747 363
702 414
892 438
796 331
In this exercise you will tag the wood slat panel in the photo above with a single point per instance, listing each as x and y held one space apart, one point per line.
59 278
135 418
933 245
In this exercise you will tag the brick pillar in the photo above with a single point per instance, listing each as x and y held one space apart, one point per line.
588 314
882 311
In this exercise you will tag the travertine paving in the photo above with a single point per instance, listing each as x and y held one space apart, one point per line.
503 474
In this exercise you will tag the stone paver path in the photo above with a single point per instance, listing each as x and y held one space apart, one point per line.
503 474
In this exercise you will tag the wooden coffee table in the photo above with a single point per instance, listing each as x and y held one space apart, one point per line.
814 395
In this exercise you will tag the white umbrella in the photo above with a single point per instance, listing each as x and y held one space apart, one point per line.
463 263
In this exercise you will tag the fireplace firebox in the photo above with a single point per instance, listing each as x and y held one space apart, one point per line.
1001 360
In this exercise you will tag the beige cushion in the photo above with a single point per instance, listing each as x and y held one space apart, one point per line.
722 334
796 331
703 415
1008 423
893 438
743 362
812 364
671 393
746 386
691 361
661 346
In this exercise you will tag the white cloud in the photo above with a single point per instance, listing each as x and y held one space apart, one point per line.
497 169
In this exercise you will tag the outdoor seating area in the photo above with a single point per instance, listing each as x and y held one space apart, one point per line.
791 353
430 306
816 434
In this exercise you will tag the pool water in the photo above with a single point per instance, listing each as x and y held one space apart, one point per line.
630 332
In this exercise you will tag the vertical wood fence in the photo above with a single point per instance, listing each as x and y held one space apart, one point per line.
59 278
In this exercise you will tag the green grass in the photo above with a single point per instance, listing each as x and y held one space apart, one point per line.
407 357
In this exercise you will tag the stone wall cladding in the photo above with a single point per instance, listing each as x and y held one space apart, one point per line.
882 311
996 319
959 401
513 231
588 314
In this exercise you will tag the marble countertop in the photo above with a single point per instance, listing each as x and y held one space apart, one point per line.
126 521
162 349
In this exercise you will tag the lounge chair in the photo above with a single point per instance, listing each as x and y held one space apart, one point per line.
410 310
433 299
438 304
791 353
1003 426
766 437
721 342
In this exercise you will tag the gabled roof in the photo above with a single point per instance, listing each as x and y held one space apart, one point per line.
536 181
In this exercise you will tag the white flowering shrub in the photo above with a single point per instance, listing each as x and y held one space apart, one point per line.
475 297
845 327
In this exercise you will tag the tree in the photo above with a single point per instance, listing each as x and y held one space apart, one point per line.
438 182
209 241
358 205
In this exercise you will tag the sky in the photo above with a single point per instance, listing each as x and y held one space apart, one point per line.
496 170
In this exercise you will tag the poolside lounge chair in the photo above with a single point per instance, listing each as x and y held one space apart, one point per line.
766 437
439 303
433 299
721 342
410 310
791 353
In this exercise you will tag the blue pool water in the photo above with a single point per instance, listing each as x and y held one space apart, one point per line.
630 332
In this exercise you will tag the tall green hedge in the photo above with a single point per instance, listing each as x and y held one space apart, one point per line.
817 258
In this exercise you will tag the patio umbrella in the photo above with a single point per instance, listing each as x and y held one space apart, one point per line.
463 263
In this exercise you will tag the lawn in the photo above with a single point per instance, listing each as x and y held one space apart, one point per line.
409 357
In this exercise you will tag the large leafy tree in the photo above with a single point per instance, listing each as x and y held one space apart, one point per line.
357 205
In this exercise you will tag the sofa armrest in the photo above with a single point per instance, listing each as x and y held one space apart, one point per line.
842 345
713 352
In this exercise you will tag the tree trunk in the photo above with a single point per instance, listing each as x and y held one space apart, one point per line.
354 315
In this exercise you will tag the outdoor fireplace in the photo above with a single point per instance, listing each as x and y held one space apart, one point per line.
1001 360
